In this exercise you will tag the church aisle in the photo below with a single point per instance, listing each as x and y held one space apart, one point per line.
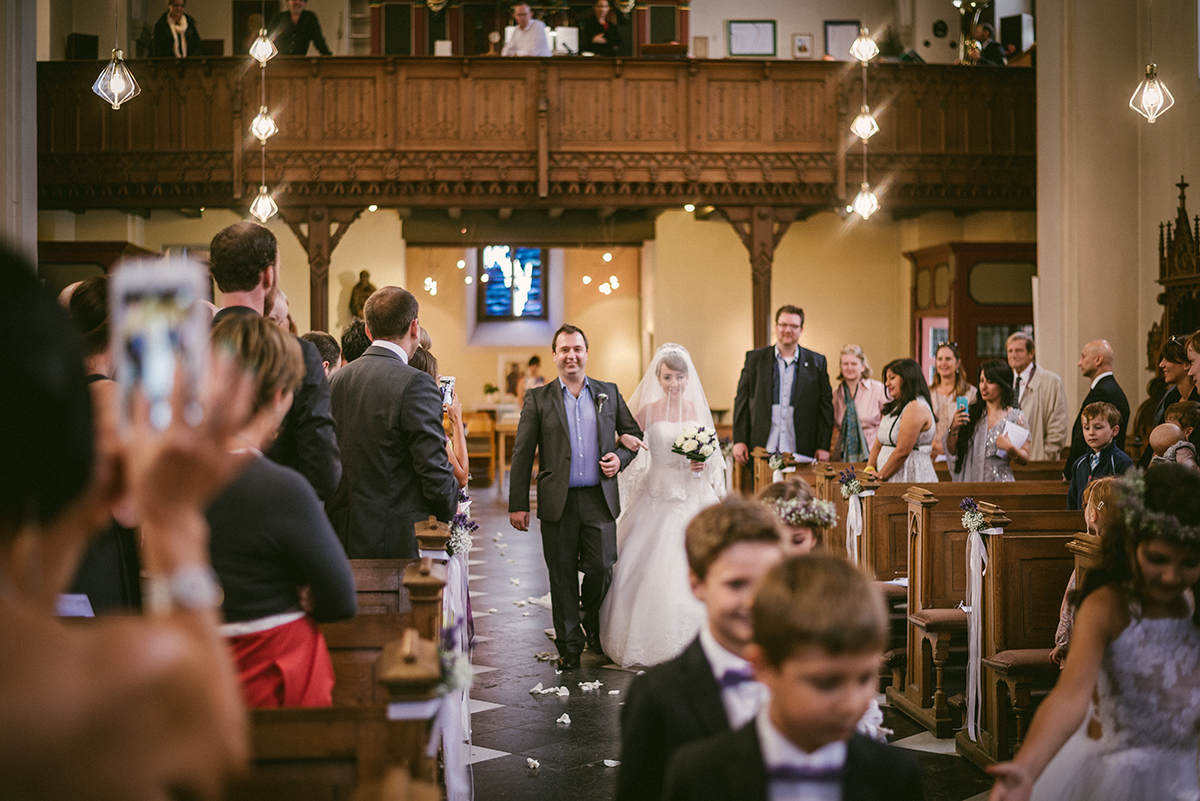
510 725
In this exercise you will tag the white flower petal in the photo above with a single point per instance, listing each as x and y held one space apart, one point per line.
537 688
564 720
611 763
614 692
533 763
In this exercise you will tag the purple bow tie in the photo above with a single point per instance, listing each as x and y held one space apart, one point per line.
732 678
805 773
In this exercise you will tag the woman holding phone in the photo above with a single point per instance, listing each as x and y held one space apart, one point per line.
949 384
980 441
456 443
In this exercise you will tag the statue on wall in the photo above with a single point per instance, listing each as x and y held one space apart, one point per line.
362 290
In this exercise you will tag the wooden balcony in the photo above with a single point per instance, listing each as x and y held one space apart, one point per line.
530 133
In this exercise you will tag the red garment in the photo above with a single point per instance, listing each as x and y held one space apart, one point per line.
288 665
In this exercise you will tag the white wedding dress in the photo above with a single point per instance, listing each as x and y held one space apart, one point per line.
650 614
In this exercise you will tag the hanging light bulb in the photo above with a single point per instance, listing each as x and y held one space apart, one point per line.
1152 97
264 208
864 48
864 125
116 83
689 207
865 203
607 257
264 126
263 49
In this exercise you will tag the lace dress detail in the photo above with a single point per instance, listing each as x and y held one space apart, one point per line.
918 467
1149 713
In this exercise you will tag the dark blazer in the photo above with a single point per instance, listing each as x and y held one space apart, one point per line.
730 765
396 473
307 440
292 39
591 26
812 401
1113 462
543 427
163 45
670 705
1110 392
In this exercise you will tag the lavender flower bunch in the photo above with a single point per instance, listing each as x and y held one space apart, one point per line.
848 479
972 518
461 528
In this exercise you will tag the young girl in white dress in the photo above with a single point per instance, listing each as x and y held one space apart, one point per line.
649 614
1136 644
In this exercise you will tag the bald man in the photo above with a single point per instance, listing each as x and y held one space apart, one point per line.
1096 363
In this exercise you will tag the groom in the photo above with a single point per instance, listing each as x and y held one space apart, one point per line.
573 423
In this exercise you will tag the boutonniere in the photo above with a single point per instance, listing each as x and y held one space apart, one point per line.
600 400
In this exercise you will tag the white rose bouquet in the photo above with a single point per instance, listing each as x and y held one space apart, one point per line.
696 443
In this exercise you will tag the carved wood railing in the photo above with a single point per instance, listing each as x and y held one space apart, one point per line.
489 133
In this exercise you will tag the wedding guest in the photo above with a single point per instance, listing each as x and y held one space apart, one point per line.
129 707
456 445
902 451
791 501
327 346
1099 511
708 688
1173 362
529 37
1101 423
1096 363
857 408
270 538
1041 396
175 33
354 340
533 378
294 29
599 34
820 627
949 384
1186 415
280 311
977 442
1170 445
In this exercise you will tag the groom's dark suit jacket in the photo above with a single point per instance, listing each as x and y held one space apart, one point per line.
395 470
544 426
670 705
730 765
812 401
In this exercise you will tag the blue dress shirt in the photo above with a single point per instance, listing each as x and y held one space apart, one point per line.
585 439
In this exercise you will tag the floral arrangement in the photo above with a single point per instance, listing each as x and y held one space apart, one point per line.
461 528
972 518
850 485
697 443
457 672
777 461
812 512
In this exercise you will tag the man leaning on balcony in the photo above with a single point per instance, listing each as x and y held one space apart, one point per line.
529 38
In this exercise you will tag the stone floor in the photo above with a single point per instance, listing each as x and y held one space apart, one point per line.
511 726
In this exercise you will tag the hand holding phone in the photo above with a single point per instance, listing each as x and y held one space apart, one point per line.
446 383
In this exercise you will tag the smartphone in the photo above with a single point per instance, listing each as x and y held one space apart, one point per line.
446 382
159 335
962 403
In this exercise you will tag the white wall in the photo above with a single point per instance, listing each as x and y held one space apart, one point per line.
708 17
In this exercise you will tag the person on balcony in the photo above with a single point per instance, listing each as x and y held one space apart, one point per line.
294 29
599 34
175 34
529 38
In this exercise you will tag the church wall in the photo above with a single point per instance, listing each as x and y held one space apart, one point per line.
708 17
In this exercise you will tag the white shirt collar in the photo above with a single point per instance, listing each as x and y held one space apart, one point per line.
720 659
393 347
779 751
788 360
1096 380
1027 374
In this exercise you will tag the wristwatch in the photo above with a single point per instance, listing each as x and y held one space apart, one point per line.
190 587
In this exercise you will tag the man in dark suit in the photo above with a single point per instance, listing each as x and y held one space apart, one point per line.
784 401
990 51
1096 363
244 261
389 418
573 424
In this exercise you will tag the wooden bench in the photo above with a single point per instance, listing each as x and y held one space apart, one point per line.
1029 564
826 487
764 475
1033 471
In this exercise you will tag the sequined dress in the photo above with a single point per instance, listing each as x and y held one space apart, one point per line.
1148 713
982 462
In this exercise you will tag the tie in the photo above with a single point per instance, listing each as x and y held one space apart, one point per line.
734 678
1095 460
1017 389
805 773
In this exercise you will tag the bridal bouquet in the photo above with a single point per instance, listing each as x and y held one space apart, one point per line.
696 443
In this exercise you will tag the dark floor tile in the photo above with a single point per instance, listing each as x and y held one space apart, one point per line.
950 777
515 741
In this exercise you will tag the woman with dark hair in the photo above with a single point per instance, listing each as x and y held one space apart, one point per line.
456 445
1180 387
902 449
598 34
978 444
949 384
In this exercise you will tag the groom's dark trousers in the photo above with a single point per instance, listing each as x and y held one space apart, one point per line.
578 525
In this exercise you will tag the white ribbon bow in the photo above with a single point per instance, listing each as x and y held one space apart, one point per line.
854 524
976 569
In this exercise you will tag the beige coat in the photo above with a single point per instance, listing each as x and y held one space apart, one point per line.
1045 406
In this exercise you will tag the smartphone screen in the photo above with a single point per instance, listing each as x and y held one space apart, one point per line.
962 403
446 383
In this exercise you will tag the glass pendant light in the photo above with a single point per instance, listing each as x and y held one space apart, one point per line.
264 208
864 48
865 203
864 125
264 126
263 49
1152 97
116 83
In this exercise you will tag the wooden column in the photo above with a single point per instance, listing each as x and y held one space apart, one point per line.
761 228
312 227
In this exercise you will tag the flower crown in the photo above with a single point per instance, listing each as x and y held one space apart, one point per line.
812 512
1131 494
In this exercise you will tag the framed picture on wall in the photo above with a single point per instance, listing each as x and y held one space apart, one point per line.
802 46
753 38
839 35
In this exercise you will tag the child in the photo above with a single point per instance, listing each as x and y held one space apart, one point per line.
1185 414
1100 426
1170 444
709 687
1137 647
820 627
1099 510
800 513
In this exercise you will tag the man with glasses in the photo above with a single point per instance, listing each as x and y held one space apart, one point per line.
1040 394
784 400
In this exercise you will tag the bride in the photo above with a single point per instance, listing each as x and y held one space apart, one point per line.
650 614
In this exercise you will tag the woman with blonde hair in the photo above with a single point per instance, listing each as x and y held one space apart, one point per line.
857 408
949 383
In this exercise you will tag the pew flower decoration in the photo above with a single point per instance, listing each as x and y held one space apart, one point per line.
457 672
776 461
461 528
812 512
972 518
850 485
696 443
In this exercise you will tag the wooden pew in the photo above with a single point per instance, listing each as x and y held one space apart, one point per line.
764 475
1028 566
827 488
1033 471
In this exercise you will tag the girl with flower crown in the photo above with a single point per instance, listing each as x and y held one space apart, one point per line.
801 514
1135 645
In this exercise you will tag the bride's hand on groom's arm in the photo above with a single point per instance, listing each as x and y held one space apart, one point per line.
631 442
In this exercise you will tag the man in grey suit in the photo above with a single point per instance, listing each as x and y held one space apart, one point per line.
389 423
573 424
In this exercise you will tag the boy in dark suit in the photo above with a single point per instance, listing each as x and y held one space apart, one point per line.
1101 422
708 688
1096 364
820 627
